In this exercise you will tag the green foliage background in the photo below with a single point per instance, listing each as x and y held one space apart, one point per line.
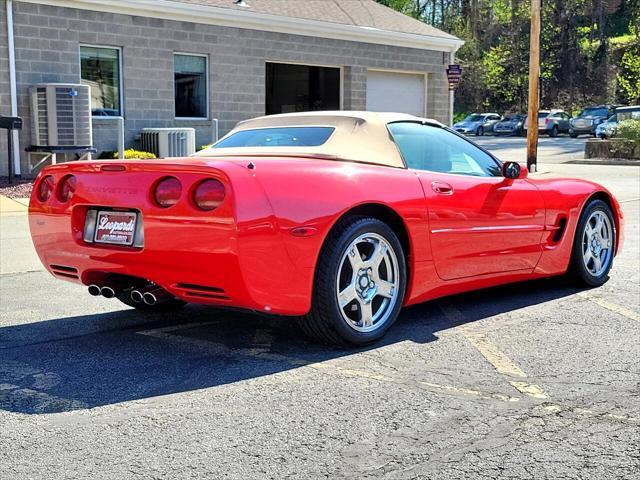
590 50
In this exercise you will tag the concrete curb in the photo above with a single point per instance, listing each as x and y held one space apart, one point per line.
9 206
626 162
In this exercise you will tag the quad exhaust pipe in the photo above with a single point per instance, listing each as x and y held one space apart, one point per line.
107 291
94 290
149 295
156 295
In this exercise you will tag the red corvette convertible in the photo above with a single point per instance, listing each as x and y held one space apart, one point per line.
339 218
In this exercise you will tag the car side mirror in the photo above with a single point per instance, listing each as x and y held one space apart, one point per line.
514 170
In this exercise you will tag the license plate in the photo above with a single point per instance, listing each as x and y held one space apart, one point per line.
116 228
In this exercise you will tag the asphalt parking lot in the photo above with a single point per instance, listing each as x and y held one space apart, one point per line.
560 149
536 380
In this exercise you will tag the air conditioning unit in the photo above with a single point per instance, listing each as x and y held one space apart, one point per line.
169 142
61 115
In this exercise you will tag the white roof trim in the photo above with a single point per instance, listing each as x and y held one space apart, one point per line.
229 17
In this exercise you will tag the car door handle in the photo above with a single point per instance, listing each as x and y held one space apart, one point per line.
442 188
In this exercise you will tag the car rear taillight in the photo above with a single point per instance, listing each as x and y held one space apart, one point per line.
67 188
45 188
209 194
167 192
546 121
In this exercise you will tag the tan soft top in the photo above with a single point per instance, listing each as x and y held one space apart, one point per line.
358 137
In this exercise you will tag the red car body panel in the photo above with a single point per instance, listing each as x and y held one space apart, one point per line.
259 249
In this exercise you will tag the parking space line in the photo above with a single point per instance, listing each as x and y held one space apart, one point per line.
327 367
502 364
619 309
495 357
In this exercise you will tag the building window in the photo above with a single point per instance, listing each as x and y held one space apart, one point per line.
301 88
190 83
100 70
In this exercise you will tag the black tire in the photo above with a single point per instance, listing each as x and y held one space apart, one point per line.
173 304
325 322
480 132
573 134
554 131
577 269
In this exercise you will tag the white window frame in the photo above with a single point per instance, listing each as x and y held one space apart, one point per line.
308 64
207 77
120 73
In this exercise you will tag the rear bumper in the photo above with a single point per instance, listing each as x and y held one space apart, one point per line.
582 131
217 258
201 265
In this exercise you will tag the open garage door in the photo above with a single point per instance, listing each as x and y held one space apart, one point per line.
396 92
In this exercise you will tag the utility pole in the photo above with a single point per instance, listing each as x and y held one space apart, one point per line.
534 95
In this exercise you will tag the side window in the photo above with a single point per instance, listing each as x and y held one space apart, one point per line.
436 149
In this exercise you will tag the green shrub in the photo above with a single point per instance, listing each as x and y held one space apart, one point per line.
107 155
202 147
131 154
460 116
629 130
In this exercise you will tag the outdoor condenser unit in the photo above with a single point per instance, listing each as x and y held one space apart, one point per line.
169 142
61 115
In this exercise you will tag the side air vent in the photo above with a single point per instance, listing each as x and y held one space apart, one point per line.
562 225
202 291
64 271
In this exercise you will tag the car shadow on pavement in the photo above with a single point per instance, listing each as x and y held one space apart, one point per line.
94 360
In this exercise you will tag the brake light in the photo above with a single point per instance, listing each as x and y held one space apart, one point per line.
67 188
45 188
167 192
546 120
209 194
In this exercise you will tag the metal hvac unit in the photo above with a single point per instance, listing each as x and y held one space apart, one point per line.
169 142
61 115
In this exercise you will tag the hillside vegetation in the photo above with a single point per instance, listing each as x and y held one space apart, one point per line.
590 50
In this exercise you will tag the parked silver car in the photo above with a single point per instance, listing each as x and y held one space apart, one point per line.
552 122
589 118
511 124
607 129
477 123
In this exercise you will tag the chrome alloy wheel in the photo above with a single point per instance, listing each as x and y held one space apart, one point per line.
368 282
597 248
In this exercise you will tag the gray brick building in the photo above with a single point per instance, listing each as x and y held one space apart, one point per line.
185 63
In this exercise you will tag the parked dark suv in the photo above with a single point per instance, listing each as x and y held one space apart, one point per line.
589 118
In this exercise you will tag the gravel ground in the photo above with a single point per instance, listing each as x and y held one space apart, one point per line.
19 189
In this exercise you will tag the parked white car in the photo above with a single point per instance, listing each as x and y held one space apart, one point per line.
607 129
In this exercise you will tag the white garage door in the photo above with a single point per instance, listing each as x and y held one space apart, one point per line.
395 92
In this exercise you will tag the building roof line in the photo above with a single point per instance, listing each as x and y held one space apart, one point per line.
212 15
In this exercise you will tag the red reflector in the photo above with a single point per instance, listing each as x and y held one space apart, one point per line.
45 188
209 194
112 168
167 192
304 231
67 188
546 120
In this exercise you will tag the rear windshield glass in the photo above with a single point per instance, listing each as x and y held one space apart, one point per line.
278 137
594 112
543 114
